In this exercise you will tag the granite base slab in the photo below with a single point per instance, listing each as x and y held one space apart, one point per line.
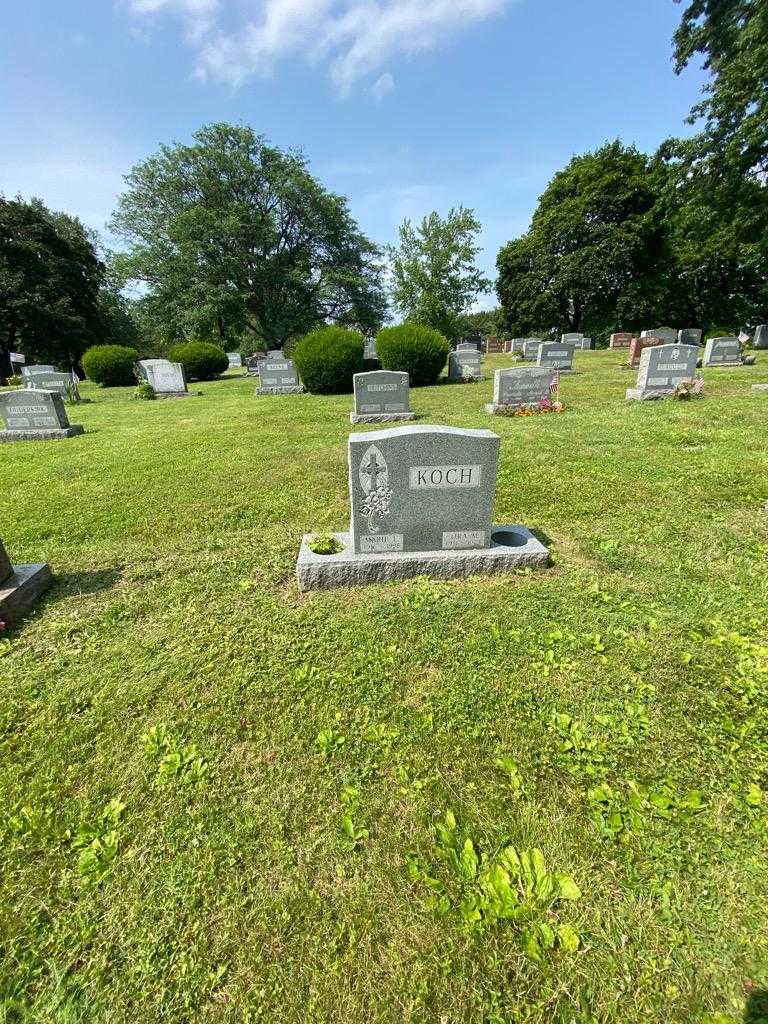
21 591
6 436
178 394
280 391
639 395
380 417
512 547
497 409
722 366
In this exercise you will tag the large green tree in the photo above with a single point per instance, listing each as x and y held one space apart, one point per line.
595 258
234 236
434 277
50 282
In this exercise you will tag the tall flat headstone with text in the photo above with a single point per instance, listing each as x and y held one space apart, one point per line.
64 384
464 365
519 388
235 360
557 355
722 352
622 339
20 587
531 348
381 396
421 502
166 378
661 370
370 353
760 339
35 416
638 346
689 336
278 376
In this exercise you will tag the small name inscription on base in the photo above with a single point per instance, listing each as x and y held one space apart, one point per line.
440 477
381 542
460 539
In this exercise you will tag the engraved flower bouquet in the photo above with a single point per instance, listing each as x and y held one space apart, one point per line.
376 507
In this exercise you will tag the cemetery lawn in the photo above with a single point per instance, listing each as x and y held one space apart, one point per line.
219 797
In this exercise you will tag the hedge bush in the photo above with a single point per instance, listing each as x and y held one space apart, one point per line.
420 351
327 358
110 365
721 332
202 360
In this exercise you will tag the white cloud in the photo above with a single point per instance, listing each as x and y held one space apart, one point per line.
354 37
383 87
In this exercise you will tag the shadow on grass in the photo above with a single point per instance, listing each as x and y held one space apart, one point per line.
545 539
79 584
757 1007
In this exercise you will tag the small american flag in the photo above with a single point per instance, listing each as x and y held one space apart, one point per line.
743 337
554 384
697 385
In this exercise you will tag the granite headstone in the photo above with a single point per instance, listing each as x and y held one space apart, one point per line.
760 339
662 368
689 336
464 365
278 376
35 416
722 352
622 339
381 396
556 354
519 388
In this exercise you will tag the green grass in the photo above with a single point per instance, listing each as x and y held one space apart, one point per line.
219 797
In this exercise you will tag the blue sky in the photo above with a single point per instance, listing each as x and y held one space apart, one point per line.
404 106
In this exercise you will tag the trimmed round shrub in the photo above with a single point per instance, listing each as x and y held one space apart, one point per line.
110 365
327 358
202 360
420 351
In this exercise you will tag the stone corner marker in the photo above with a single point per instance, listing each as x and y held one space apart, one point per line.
381 396
35 416
20 587
278 376
421 502
662 368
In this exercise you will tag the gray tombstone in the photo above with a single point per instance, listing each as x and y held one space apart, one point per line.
531 348
667 333
689 336
421 503
519 388
586 344
464 365
662 368
20 587
517 346
556 354
64 384
278 376
28 372
35 416
370 354
252 366
235 360
722 352
166 378
381 396
573 338
760 339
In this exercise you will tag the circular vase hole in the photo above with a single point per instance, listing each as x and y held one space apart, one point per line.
509 538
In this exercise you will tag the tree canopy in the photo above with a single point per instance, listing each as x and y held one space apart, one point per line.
50 281
233 236
434 278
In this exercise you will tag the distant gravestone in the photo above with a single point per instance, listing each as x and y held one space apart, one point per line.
689 336
278 376
517 346
464 365
760 339
421 502
531 348
166 378
661 370
638 346
35 416
235 360
20 587
556 354
252 366
370 352
494 346
64 384
519 388
28 372
381 396
622 339
574 338
586 344
667 333
722 352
